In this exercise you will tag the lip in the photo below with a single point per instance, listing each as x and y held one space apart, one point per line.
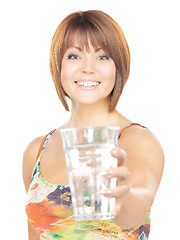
87 80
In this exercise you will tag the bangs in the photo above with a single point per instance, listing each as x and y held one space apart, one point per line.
84 34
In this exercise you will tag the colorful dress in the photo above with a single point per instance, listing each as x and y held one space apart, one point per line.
49 210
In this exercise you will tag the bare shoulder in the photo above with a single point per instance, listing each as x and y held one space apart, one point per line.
29 159
141 139
145 153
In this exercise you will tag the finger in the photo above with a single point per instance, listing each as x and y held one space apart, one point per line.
117 192
119 172
120 154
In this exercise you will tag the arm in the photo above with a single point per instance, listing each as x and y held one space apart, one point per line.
29 160
135 193
33 235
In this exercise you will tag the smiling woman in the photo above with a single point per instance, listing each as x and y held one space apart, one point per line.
90 64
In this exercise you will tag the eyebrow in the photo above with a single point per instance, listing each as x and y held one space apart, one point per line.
80 49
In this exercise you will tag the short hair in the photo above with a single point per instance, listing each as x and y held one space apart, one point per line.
102 31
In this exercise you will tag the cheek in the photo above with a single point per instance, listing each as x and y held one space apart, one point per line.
64 71
68 75
65 76
109 73
68 71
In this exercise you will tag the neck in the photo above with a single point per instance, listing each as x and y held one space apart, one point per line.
92 115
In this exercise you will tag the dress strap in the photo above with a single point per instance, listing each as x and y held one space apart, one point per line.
129 125
43 144
40 152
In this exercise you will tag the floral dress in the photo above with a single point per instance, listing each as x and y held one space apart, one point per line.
49 210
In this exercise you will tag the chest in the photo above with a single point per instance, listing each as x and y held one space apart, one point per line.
53 164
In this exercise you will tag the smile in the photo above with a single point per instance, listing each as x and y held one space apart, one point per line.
88 85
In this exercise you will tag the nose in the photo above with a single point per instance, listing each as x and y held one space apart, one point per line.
88 66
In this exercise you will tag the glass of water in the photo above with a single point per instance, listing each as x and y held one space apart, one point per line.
87 152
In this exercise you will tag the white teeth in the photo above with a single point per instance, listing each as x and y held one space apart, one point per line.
87 84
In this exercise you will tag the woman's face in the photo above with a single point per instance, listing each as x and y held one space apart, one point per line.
81 69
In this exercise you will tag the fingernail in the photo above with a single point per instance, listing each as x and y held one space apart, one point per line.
108 191
102 192
113 151
103 173
105 191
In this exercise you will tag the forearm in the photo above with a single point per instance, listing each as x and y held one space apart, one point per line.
134 208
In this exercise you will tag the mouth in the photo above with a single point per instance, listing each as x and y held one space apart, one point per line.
87 83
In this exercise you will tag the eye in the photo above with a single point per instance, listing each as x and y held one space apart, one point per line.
104 57
73 56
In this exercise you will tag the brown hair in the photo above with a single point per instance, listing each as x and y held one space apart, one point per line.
102 31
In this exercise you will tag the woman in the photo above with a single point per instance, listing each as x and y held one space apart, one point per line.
90 64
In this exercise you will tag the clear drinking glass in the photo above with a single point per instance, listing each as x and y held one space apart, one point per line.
87 152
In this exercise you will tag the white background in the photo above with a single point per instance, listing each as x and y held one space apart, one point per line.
30 107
